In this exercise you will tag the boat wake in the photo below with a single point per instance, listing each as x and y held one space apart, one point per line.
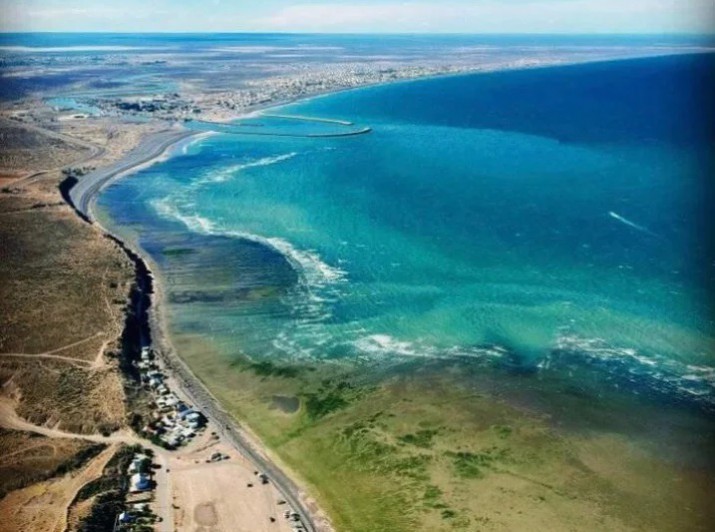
631 224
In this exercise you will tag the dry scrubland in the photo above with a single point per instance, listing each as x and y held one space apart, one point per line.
24 150
27 458
63 303
427 449
62 299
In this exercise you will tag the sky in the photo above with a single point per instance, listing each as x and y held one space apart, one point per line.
361 16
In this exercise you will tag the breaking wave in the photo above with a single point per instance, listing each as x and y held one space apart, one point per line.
313 271
386 346
224 174
307 263
306 337
627 367
621 367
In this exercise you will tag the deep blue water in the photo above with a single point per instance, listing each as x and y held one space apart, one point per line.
549 220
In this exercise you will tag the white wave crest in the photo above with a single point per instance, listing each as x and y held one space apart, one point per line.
313 271
663 372
384 344
307 263
229 172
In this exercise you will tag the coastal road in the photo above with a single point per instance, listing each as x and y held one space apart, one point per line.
85 191
83 194
190 387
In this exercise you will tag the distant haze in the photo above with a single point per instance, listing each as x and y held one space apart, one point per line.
361 16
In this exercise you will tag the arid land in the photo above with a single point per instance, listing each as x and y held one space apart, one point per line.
67 406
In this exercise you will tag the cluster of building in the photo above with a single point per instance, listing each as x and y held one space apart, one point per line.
334 77
138 514
140 471
136 517
174 421
170 105
262 91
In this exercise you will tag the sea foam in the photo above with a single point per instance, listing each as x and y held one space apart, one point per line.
656 372
313 271
224 174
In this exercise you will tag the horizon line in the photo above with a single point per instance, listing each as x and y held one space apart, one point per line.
262 32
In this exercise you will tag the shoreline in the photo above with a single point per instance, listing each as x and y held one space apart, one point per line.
153 147
154 329
190 385
278 104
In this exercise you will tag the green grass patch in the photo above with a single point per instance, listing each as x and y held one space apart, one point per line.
472 465
448 513
503 431
414 466
319 405
432 495
421 438
269 369
329 398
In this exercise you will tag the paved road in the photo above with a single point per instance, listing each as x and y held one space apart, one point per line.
225 425
85 191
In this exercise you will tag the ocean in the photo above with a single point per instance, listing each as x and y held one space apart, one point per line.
551 222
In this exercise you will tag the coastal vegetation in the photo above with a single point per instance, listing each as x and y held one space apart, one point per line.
422 447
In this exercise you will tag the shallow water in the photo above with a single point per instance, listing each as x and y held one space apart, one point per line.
551 221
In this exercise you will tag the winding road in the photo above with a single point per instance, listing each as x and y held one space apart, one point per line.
85 191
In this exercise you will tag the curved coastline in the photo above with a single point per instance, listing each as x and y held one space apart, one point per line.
154 146
278 105
81 197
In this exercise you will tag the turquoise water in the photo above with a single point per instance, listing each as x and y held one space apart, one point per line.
552 220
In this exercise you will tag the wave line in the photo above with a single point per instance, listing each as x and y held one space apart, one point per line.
634 225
